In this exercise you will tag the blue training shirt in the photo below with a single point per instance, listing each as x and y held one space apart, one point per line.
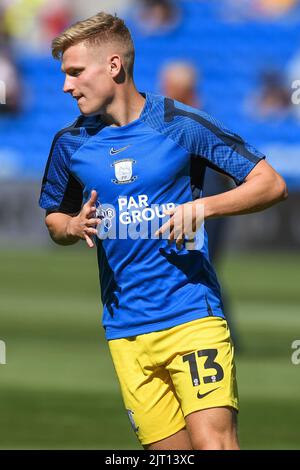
155 162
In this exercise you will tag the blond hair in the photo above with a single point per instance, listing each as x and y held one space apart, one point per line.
96 30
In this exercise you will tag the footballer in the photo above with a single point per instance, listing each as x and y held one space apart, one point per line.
122 177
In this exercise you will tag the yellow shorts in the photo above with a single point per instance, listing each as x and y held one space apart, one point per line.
168 374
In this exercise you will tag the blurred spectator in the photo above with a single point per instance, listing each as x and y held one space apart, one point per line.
276 8
258 9
154 17
20 17
11 86
36 22
4 33
55 16
273 100
179 80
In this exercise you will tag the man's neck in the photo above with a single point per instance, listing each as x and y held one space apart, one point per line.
126 107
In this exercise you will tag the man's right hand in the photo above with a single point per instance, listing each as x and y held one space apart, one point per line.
84 225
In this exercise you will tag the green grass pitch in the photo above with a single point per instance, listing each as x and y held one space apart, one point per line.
58 389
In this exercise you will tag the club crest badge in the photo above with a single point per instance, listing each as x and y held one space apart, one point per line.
123 171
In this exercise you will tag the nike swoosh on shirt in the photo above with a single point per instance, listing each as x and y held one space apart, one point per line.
115 151
199 395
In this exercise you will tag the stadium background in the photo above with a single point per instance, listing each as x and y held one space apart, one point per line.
58 388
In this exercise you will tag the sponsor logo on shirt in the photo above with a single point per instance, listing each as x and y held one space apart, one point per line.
135 218
106 215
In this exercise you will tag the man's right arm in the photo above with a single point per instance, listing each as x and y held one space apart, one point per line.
67 229
59 227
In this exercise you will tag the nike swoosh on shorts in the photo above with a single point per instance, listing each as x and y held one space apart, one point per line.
199 395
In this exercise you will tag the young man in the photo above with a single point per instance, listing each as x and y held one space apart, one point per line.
125 159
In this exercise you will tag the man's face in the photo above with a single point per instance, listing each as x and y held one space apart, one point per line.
87 77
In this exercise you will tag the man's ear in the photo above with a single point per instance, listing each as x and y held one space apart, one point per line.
114 65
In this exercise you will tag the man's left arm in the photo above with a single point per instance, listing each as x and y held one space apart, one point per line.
259 186
262 188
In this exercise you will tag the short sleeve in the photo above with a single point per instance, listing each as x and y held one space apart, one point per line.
226 152
60 192
204 137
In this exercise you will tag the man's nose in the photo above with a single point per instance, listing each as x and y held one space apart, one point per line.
68 86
